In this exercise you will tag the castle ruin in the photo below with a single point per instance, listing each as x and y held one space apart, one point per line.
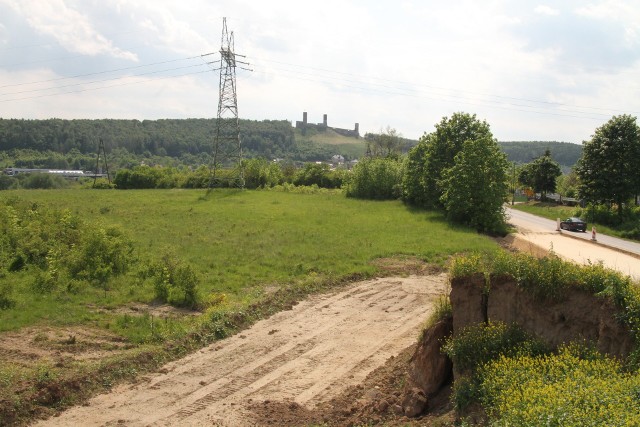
304 125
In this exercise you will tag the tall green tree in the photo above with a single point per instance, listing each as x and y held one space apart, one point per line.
566 185
388 143
435 153
541 174
475 187
609 169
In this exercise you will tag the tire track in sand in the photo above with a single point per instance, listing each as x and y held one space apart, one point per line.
308 354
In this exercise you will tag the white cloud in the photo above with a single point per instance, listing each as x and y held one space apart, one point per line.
625 14
67 26
546 10
168 28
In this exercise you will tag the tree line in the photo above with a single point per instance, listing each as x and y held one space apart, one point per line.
189 140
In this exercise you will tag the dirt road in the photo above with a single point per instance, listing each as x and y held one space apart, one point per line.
306 355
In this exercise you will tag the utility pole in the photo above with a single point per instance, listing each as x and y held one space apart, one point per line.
227 170
106 166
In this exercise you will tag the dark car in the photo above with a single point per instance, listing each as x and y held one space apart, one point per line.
573 224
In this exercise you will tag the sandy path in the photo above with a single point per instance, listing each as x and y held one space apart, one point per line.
308 355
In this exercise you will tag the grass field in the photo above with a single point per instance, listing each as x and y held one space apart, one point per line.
329 137
353 148
238 242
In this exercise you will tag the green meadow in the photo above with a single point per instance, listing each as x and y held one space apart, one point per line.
238 243
247 254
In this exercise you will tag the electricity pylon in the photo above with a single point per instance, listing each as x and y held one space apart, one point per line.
106 165
227 168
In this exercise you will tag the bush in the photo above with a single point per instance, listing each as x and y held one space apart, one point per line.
479 344
375 178
175 283
6 182
44 181
141 177
100 184
6 295
318 174
259 173
467 265
100 254
61 245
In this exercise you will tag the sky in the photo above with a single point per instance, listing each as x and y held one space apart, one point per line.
535 71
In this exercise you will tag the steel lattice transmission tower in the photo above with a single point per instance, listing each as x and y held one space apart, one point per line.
227 168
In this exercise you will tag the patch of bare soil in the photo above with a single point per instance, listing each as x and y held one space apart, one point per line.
160 310
337 358
404 266
519 243
76 343
377 400
58 344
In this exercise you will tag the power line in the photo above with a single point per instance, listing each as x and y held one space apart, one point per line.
100 81
105 87
448 91
109 71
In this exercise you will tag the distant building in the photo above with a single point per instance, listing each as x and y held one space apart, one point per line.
304 125
337 159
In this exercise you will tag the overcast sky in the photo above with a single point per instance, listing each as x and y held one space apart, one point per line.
532 70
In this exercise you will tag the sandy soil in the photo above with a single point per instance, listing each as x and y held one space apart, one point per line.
298 359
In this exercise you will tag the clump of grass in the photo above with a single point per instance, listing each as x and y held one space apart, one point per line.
442 310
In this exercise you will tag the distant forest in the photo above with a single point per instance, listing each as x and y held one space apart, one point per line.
72 144
57 143
171 137
565 153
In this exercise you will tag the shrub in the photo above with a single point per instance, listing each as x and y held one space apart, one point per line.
478 344
100 254
259 173
6 182
175 283
375 178
318 174
44 181
61 245
141 177
442 310
6 295
99 184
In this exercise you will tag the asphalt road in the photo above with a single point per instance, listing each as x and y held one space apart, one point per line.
615 253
